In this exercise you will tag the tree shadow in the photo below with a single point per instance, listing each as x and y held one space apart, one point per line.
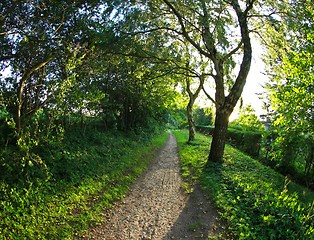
198 219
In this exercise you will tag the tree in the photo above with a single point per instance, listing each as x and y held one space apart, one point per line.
218 30
204 116
136 90
266 104
42 42
191 73
290 68
189 108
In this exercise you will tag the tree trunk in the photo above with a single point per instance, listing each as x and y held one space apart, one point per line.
82 118
191 122
189 108
226 104
18 114
219 136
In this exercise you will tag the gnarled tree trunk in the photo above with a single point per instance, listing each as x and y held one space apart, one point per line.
219 136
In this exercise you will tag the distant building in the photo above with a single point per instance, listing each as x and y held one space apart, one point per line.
266 121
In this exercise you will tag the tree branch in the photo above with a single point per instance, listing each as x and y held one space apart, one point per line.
151 30
4 58
233 51
27 74
6 32
237 88
208 96
184 32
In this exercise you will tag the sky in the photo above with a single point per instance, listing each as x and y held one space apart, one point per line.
255 79
253 84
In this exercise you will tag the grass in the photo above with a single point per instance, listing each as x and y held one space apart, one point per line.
256 201
86 175
195 226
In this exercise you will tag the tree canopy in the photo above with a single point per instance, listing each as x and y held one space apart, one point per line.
122 60
217 30
59 56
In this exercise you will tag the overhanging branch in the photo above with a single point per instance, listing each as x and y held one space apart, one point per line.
184 32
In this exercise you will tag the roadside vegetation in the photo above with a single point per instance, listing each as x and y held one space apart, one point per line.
63 189
256 201
86 85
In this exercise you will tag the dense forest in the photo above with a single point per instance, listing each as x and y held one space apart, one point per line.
87 85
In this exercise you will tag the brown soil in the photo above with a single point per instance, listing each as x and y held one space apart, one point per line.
157 208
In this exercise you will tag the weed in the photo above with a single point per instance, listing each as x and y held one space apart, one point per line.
195 226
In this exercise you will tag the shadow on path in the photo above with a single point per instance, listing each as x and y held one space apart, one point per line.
197 220
157 208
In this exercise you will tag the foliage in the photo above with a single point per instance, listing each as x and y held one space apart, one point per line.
176 118
247 141
133 96
291 153
63 189
176 111
63 100
290 67
57 58
203 27
43 42
256 201
204 116
206 130
247 121
58 71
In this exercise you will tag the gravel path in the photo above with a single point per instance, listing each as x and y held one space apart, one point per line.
157 208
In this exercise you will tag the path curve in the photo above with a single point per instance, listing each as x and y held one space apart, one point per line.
157 208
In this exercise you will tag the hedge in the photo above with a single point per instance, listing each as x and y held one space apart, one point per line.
247 141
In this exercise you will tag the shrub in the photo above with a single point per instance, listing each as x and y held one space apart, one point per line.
290 152
247 141
206 130
58 191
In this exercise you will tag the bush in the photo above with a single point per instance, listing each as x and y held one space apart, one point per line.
206 130
247 141
183 125
247 121
290 152
203 116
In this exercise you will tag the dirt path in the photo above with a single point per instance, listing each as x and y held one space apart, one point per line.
157 208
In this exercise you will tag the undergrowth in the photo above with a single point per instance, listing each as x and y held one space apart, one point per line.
256 201
61 190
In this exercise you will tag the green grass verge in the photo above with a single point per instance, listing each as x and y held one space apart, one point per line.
256 201
67 203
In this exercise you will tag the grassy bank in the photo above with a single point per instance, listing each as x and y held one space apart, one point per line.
256 201
65 190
